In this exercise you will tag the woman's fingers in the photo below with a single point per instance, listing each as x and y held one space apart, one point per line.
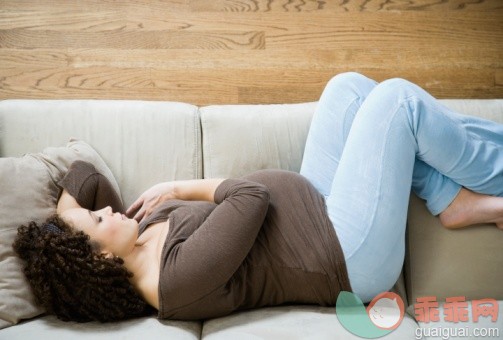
149 200
140 215
146 207
135 206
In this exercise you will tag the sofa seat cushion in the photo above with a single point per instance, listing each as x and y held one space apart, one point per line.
49 327
291 322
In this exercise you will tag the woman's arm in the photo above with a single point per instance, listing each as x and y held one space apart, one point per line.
189 190
197 189
83 186
207 258
66 201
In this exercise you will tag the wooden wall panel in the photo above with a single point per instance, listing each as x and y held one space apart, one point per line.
245 51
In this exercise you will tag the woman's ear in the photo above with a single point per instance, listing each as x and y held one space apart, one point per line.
107 254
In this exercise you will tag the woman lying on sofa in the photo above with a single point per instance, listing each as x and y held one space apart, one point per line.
204 248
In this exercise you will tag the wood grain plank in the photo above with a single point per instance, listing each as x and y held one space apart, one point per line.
12 58
262 5
94 5
257 5
498 79
441 83
21 38
112 83
125 19
208 87
343 6
414 29
461 57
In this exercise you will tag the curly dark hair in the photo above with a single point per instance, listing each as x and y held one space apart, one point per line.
71 279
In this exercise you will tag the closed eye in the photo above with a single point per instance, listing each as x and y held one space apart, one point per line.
93 216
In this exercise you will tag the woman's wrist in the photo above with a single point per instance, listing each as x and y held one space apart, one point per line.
197 189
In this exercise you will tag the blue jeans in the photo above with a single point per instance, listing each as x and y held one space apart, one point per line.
369 144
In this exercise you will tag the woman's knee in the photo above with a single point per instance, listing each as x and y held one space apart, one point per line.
390 94
395 87
348 77
351 81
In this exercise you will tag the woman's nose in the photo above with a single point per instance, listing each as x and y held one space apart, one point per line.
107 210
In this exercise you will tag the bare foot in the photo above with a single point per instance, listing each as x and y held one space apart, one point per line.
472 208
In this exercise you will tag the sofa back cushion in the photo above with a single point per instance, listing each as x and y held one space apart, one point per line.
142 142
238 139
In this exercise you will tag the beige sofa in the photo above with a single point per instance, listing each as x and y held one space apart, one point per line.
147 142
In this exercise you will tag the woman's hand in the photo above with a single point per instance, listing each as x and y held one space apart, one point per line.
188 190
150 199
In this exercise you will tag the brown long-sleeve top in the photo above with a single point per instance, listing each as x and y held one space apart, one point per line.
267 240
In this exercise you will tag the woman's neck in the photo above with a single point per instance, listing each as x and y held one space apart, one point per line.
143 256
136 260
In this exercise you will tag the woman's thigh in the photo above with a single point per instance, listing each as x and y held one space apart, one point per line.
330 126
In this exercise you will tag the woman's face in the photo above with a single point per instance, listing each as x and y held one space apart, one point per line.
114 232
